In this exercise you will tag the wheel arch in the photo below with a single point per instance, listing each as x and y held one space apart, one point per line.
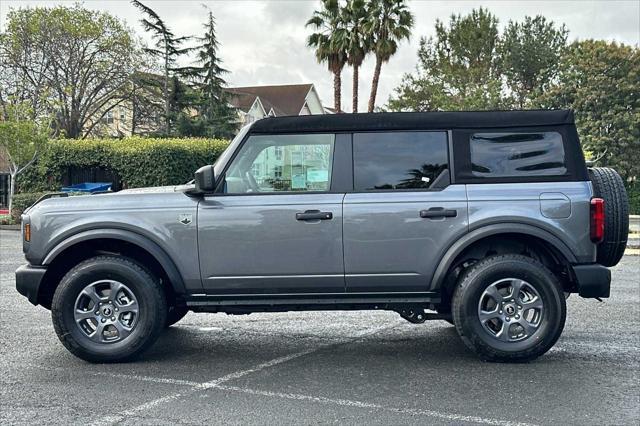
86 244
543 241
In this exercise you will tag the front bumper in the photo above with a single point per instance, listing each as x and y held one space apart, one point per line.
28 279
593 280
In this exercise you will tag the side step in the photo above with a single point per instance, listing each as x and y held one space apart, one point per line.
310 301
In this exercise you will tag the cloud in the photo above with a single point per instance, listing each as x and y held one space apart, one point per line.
264 42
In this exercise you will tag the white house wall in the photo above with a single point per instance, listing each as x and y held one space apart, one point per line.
314 103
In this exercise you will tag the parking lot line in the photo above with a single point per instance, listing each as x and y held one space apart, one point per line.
367 405
112 419
219 384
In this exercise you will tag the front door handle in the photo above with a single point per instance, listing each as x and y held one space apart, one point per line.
438 212
314 215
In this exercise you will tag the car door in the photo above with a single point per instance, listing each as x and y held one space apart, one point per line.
403 213
276 226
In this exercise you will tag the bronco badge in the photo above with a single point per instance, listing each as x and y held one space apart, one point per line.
184 218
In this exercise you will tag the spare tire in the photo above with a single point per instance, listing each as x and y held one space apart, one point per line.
608 185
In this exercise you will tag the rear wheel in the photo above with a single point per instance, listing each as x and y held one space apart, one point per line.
509 308
108 309
608 185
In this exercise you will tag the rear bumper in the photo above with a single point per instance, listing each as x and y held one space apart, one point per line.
28 279
593 280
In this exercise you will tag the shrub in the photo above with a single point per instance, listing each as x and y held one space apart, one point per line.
633 191
24 200
137 161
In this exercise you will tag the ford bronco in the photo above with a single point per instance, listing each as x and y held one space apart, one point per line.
487 220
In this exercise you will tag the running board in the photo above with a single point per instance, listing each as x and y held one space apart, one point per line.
338 299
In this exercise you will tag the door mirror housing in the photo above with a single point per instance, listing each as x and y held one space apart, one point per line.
205 179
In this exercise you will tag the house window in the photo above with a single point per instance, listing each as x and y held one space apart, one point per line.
107 118
278 152
122 115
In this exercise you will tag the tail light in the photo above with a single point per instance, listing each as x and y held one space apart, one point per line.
597 220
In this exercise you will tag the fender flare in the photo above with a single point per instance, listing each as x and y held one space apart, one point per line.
151 247
462 243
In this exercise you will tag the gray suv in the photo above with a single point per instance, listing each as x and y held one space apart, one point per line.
487 220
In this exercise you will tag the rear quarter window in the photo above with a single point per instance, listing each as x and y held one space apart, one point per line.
517 154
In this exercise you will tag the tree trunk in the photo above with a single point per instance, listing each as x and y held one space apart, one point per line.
356 69
12 190
166 88
337 91
374 84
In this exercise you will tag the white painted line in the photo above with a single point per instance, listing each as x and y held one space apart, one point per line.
367 405
109 420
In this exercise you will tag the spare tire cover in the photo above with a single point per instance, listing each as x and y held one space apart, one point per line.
608 185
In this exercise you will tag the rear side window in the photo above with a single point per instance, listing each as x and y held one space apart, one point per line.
398 160
499 155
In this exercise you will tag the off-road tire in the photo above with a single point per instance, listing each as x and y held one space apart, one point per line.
608 185
175 314
151 301
470 288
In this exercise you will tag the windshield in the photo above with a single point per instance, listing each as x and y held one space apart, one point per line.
224 157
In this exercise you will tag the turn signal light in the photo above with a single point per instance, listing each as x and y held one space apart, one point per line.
597 220
27 232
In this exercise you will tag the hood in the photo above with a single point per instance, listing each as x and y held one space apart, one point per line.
157 189
129 199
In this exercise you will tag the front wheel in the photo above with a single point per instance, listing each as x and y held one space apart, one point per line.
509 308
108 309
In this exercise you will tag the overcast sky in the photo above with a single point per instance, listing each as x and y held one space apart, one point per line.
263 42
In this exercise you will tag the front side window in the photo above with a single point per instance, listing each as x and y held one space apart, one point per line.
398 160
282 163
511 154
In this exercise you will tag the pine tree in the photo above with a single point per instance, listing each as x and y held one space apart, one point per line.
168 48
217 116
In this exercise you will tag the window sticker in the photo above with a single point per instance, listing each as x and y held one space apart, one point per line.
317 175
298 181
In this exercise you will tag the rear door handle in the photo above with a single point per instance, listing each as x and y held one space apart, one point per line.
438 212
314 215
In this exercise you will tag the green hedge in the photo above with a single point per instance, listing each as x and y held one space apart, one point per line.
24 200
138 162
633 191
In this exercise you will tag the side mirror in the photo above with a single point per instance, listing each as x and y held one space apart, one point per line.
205 179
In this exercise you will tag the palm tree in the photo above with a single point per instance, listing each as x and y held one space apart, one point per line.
358 42
390 22
329 42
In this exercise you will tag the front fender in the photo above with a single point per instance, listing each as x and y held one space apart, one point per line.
141 241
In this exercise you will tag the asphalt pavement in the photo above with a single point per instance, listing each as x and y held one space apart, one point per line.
323 367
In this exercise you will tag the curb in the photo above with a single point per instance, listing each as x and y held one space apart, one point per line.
10 227
632 252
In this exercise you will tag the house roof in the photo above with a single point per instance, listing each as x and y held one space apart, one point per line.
283 99
413 121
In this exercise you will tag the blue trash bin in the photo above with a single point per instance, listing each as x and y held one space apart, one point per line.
87 187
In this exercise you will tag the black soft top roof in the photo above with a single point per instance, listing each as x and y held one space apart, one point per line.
413 121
